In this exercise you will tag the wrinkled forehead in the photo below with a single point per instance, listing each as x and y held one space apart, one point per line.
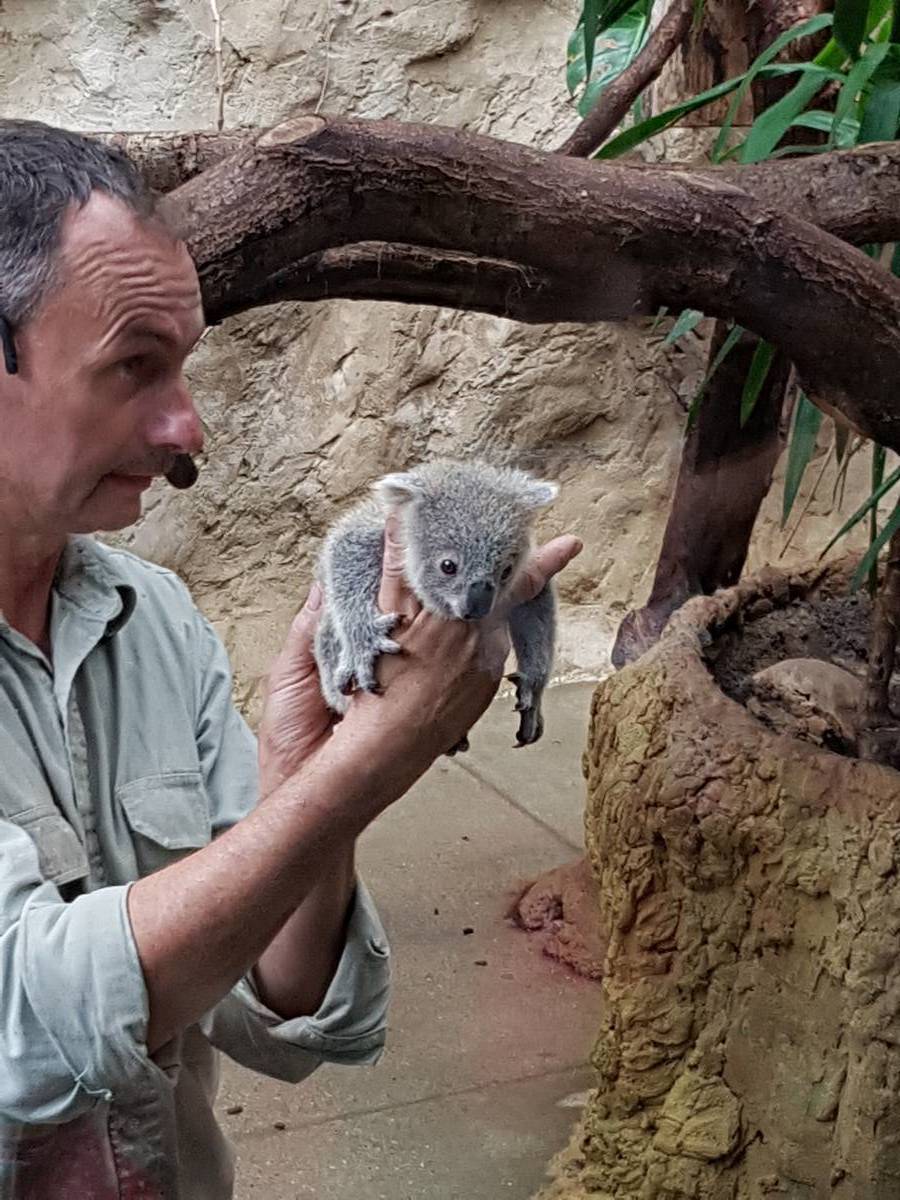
118 267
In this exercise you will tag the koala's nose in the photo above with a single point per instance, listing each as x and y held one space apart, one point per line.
479 599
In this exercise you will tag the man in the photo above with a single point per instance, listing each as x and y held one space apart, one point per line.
163 891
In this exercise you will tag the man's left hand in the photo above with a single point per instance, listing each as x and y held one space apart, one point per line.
296 720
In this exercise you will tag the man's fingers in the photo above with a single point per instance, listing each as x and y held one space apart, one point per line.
394 594
297 660
543 563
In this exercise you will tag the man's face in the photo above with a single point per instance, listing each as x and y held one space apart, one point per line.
100 404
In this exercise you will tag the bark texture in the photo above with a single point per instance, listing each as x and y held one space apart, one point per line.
854 194
748 1041
581 242
725 473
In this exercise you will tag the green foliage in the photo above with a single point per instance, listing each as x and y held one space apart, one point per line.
850 25
804 29
863 60
731 340
807 422
756 377
599 17
613 49
688 319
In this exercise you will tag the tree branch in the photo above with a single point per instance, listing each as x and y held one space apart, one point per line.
618 97
854 194
592 241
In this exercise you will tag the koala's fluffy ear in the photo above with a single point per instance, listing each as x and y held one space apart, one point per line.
540 492
397 490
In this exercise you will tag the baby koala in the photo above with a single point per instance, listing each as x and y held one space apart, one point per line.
467 531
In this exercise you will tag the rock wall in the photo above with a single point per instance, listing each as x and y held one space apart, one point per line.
305 404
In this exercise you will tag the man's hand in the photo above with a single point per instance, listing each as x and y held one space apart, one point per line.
296 720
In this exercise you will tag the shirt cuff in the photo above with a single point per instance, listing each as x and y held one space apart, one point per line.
349 1026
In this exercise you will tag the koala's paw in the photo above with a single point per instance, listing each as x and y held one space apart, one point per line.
356 668
528 706
461 746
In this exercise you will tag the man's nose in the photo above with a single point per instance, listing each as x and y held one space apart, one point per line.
175 424
479 599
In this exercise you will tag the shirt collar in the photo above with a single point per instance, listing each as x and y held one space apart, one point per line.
88 577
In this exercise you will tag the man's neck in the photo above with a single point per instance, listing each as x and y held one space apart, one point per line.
27 568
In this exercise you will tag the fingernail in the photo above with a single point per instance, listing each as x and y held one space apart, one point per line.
579 545
314 599
392 530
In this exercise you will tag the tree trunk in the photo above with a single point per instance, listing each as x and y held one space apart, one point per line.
751 994
725 473
726 468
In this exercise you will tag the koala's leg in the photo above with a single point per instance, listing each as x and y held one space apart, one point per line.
352 578
532 630
328 652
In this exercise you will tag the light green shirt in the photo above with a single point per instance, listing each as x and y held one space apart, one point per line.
123 756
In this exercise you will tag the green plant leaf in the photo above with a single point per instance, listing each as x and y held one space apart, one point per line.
881 107
857 77
892 480
771 125
731 340
850 25
804 29
688 319
870 558
629 138
615 49
589 24
646 129
845 132
756 377
807 422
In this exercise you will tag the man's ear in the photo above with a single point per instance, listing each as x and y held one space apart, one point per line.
540 492
396 491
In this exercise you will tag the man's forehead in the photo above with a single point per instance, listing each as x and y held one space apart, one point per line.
115 257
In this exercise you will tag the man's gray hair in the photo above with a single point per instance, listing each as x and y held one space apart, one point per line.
43 172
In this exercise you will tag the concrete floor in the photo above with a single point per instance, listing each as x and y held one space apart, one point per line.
486 1064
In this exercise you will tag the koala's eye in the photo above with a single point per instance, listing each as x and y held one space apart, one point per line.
448 566
505 574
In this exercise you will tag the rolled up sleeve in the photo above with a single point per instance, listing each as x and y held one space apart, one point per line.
349 1027
73 1005
350 1024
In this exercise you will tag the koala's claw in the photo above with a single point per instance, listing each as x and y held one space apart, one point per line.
461 746
531 723
531 727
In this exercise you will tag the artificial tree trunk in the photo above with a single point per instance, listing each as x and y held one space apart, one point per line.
748 1044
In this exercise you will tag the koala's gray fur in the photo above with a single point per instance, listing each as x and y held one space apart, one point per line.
477 518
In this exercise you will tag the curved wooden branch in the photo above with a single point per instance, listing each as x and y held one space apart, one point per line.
605 243
854 194
621 93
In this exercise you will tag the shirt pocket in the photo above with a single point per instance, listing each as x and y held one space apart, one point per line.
168 816
61 856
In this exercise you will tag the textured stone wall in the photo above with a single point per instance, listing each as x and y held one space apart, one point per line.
306 404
